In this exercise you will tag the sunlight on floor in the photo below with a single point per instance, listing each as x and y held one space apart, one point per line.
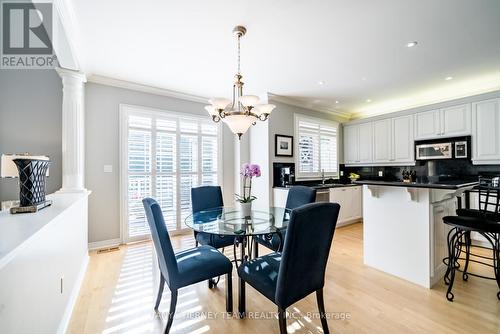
131 310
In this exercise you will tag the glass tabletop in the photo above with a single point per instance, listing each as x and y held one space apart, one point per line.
231 221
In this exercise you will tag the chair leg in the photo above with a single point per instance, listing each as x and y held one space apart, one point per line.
282 320
229 293
171 311
160 292
241 298
322 313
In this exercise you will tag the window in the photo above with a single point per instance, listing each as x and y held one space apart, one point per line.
316 148
164 155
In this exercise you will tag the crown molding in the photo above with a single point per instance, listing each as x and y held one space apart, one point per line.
103 80
320 108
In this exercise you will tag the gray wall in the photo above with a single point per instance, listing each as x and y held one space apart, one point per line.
281 122
30 121
102 148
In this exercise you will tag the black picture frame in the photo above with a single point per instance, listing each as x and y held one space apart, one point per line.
279 150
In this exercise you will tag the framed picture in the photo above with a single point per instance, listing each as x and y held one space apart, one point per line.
284 146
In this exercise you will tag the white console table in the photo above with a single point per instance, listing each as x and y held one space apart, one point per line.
43 259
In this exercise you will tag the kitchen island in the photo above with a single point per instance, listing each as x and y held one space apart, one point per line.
403 231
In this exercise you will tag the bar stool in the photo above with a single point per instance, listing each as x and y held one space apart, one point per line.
485 221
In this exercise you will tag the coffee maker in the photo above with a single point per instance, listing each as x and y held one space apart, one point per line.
284 174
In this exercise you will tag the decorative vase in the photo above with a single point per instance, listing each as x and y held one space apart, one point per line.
246 209
32 176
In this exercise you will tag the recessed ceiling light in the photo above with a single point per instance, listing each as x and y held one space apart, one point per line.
411 44
321 83
448 78
368 100
337 102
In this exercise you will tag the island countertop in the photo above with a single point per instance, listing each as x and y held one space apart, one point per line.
451 184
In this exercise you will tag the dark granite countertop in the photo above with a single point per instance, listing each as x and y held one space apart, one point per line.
449 184
325 186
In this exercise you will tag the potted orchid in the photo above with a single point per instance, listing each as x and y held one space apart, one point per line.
248 171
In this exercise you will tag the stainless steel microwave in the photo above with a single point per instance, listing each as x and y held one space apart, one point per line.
458 149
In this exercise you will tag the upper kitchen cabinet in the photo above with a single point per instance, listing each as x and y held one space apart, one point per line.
447 122
365 142
456 121
403 139
382 140
351 144
427 124
358 143
486 132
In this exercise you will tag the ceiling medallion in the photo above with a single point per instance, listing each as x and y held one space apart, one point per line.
243 110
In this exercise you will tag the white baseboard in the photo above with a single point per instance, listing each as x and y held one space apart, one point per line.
63 325
349 222
104 244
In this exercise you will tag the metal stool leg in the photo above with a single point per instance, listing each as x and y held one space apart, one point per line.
453 258
468 242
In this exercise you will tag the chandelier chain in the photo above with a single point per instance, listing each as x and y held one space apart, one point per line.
239 54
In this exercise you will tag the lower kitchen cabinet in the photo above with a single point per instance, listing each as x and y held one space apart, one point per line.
350 200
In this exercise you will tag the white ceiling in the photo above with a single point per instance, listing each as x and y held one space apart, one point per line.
356 47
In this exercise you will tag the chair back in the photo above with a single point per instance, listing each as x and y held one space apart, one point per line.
161 240
300 195
305 254
489 196
206 197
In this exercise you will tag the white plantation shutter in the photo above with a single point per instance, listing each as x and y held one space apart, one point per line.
166 156
316 147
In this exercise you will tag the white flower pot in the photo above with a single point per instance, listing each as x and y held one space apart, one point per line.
246 209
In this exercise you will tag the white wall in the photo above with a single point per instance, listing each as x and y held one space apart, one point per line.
102 148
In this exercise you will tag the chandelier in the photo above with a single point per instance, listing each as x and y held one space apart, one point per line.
244 110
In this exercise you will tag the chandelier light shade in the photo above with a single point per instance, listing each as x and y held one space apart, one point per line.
242 111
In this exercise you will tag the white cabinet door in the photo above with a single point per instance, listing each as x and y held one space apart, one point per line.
382 140
340 196
350 200
456 120
402 139
357 202
351 144
427 124
365 143
486 131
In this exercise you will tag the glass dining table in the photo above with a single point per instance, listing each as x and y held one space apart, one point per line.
224 222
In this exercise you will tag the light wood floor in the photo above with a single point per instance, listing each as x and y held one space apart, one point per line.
119 290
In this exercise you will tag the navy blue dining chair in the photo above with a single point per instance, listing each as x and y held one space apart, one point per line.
186 267
297 196
205 198
287 277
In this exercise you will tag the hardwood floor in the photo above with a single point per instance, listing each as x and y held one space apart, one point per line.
120 287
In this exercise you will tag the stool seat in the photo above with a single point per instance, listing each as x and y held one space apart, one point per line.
473 224
475 213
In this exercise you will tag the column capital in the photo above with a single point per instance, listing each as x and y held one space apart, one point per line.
65 73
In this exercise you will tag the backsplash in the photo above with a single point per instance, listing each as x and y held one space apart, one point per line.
449 169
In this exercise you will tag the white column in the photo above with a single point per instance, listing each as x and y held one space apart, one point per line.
73 130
